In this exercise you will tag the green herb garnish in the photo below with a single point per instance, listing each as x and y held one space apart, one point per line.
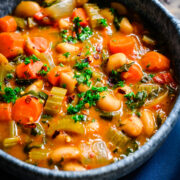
44 70
67 54
9 76
135 101
28 59
11 94
79 118
103 22
91 97
119 84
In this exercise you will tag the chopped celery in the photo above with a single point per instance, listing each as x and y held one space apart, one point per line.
117 137
54 101
148 40
93 13
67 124
38 154
13 129
31 22
21 22
9 142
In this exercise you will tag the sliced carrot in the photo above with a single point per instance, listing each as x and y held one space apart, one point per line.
8 24
122 44
134 74
54 74
154 61
11 44
5 111
40 43
29 71
80 12
27 110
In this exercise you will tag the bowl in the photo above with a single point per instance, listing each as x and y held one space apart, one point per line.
168 28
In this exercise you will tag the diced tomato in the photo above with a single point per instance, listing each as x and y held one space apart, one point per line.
39 16
163 78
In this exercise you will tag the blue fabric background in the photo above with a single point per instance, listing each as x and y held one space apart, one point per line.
164 165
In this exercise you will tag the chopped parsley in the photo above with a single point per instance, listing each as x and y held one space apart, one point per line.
87 53
82 33
84 77
78 118
135 101
66 38
86 32
64 86
119 84
44 70
67 54
61 64
151 75
63 34
103 22
28 59
11 94
91 97
77 21
84 74
9 76
81 65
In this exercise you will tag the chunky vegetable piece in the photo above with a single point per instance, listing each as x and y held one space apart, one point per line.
40 43
134 74
6 111
81 14
154 61
27 110
122 44
8 24
66 124
12 44
27 9
30 70
55 100
80 86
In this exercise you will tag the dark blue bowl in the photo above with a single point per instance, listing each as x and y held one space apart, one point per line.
168 28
